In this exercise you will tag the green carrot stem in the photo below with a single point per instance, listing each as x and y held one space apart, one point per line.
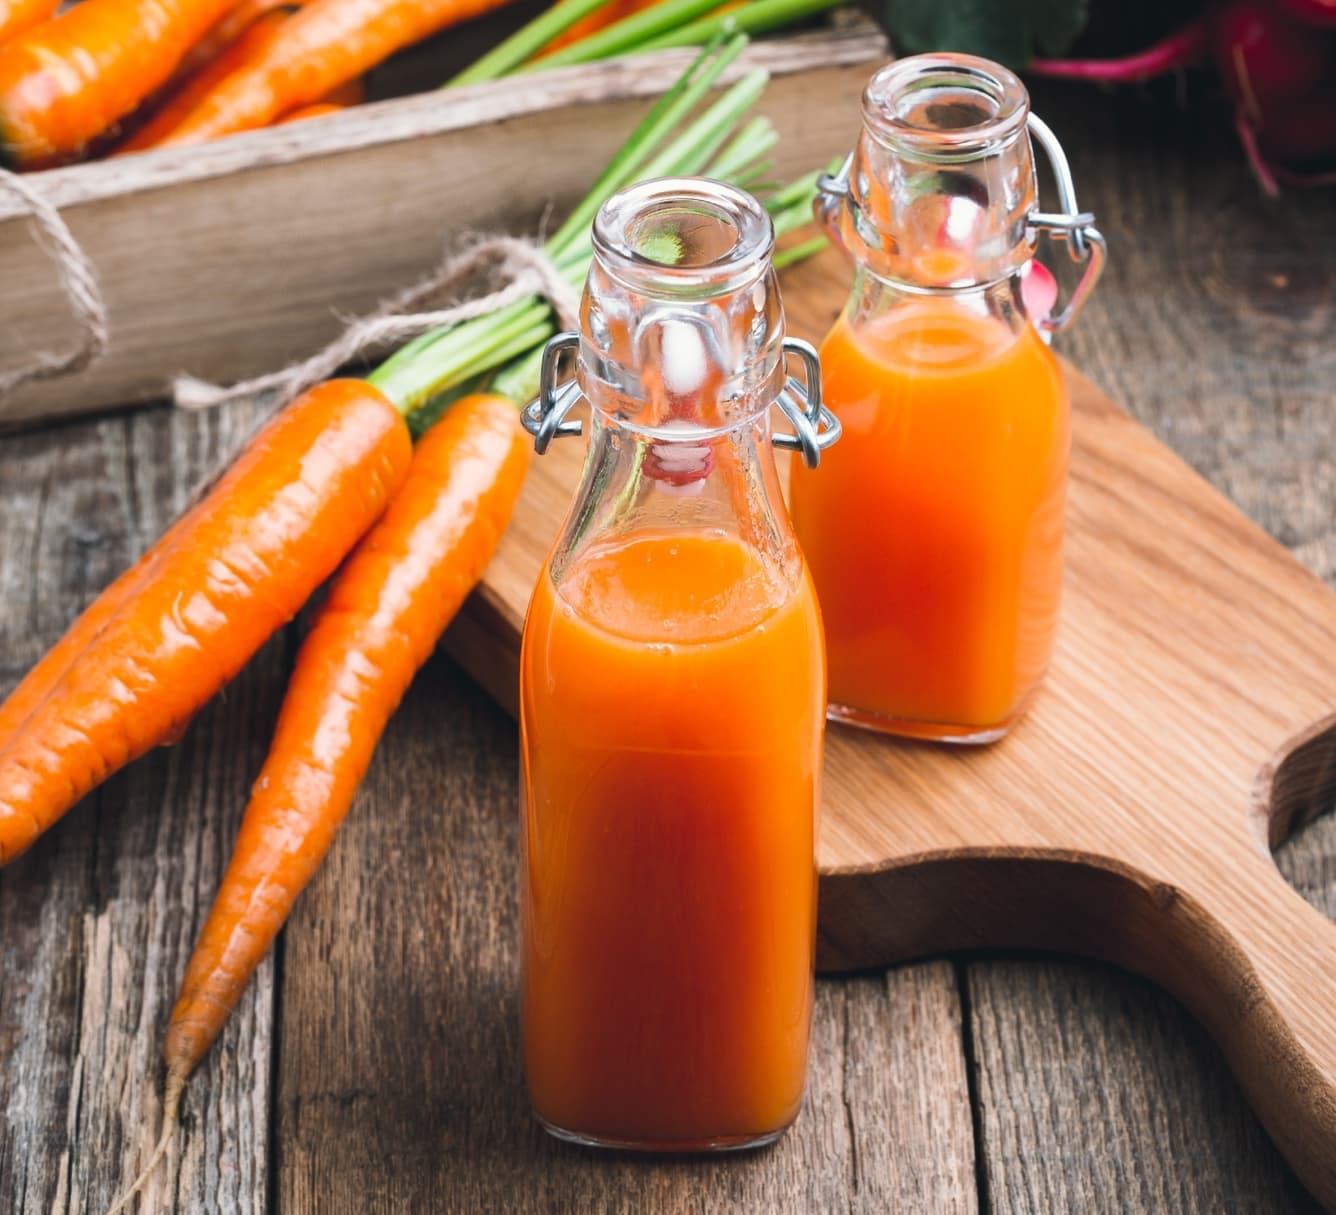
628 34
754 17
755 139
527 41
664 117
802 190
425 371
684 155
798 253
703 138
754 178
518 380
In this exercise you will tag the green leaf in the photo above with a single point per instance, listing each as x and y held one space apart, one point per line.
1011 31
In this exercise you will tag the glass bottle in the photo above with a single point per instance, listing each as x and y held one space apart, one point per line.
672 699
934 532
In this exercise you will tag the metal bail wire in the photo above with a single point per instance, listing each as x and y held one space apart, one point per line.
545 416
1085 243
814 426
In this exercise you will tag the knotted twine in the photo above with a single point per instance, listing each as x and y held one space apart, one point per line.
523 268
78 280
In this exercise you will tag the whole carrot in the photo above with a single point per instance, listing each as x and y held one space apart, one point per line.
323 45
19 15
71 79
226 30
383 617
318 110
249 43
215 588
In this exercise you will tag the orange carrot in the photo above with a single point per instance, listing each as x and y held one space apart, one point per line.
599 19
226 30
384 615
351 92
319 110
239 565
325 44
175 109
71 79
19 15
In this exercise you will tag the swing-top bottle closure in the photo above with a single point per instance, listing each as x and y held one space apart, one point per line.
682 331
940 191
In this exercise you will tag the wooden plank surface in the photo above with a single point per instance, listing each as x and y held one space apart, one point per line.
97 922
1084 1081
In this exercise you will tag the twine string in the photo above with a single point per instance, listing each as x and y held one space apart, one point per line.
521 268
78 279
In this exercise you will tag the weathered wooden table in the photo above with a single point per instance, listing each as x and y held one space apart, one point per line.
373 1066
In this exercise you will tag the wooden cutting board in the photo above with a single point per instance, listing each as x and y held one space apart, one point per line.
1187 726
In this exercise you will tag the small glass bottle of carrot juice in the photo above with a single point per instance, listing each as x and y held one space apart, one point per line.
672 698
934 532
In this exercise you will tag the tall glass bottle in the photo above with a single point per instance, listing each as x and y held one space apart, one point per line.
934 532
672 699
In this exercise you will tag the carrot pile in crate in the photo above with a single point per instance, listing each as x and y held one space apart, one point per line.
105 77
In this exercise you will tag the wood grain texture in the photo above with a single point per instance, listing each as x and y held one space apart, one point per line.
1127 817
1047 1043
337 215
1212 325
400 1087
97 921
1096 1095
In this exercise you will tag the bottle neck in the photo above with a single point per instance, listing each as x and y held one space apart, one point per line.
942 182
874 297
722 483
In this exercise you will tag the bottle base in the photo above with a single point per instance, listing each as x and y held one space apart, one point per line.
722 1143
923 731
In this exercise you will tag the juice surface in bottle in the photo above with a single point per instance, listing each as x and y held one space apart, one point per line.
934 533
670 882
672 704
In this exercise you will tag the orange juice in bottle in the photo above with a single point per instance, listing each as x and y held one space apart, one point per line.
672 703
934 532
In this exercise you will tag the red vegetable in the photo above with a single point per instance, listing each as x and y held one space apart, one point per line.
1303 130
1264 57
1311 12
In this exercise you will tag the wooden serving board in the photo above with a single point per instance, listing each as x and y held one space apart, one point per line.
1187 726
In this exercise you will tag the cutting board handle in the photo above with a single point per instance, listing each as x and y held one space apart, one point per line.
1266 983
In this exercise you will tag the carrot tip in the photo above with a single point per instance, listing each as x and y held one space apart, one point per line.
171 1104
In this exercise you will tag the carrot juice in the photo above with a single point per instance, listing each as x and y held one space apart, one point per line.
934 532
672 693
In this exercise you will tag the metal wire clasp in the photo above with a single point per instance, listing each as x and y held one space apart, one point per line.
815 427
545 416
1085 243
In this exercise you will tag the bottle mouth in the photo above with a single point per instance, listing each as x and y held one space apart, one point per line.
945 107
684 238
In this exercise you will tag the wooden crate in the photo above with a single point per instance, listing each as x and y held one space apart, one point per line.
234 257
